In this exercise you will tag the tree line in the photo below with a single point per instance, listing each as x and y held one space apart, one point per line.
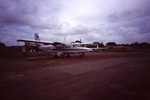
16 51
135 45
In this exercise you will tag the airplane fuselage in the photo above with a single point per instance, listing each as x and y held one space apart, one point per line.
65 49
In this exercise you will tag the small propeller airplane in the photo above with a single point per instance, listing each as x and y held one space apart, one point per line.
60 49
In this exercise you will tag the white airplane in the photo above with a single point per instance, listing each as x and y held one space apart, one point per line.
60 49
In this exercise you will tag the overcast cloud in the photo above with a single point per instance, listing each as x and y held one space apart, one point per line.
120 21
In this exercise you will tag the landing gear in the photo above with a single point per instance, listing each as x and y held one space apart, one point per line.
62 55
68 55
56 56
82 55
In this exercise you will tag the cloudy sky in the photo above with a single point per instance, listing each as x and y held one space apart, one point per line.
120 21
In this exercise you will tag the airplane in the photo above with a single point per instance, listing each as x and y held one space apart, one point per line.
60 49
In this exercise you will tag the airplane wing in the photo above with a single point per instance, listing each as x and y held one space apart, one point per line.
32 41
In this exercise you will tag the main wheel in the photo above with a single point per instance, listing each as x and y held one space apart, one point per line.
68 55
82 55
56 56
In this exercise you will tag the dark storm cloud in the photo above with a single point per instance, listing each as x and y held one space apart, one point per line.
136 17
18 12
9 35
125 15
91 20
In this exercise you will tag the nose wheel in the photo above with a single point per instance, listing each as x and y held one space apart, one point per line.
82 55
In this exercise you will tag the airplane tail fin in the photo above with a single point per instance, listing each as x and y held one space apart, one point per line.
97 46
36 36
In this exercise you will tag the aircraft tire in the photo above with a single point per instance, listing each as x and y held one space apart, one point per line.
82 55
56 56
68 55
